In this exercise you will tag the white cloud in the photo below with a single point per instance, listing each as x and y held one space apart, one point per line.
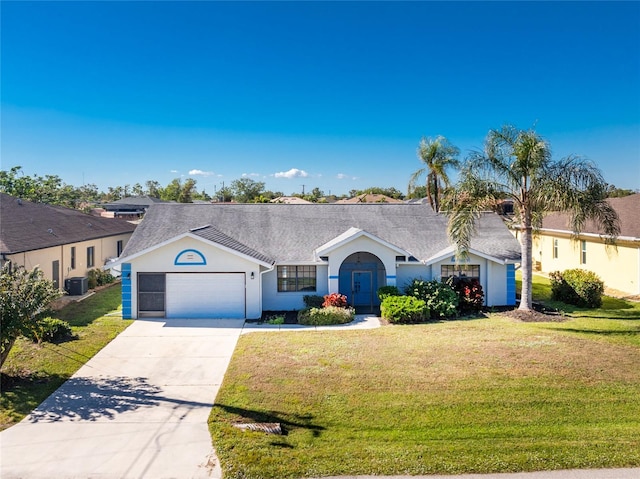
173 171
201 173
250 175
292 173
342 176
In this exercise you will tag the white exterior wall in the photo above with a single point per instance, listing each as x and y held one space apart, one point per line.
272 300
405 273
218 260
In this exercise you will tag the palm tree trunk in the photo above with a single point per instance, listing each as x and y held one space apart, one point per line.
526 245
436 194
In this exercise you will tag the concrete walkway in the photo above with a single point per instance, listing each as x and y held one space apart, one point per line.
138 409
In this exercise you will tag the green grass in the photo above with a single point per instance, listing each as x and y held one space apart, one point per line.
612 308
32 372
475 396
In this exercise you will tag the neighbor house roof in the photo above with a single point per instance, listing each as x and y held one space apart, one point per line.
291 233
369 198
627 207
132 203
290 200
27 226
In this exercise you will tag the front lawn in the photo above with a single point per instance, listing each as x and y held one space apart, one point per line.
32 372
469 396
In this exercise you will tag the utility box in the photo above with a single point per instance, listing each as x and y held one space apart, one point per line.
76 286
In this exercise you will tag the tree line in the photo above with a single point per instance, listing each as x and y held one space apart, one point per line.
51 189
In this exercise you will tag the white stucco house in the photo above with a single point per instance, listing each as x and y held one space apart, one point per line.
238 260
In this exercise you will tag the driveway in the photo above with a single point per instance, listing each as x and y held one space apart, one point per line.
137 409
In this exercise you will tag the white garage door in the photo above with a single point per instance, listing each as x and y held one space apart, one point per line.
205 295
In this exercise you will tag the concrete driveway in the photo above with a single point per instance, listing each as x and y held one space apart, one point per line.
138 409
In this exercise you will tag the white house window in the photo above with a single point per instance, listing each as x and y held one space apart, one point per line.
555 248
90 257
296 278
470 271
583 252
73 257
119 247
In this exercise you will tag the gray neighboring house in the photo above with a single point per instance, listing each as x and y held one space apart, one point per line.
65 243
238 260
130 207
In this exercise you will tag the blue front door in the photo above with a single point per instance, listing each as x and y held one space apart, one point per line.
362 288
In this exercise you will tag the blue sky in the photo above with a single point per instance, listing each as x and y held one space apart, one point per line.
329 94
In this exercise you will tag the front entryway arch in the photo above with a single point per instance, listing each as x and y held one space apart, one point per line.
360 276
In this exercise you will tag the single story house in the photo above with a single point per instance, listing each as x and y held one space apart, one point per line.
556 248
64 243
238 260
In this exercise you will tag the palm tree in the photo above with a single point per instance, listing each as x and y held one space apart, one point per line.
437 155
517 165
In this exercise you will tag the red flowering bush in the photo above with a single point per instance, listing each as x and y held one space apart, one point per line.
335 299
470 294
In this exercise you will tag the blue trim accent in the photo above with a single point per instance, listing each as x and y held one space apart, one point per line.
126 290
178 262
511 285
391 276
334 277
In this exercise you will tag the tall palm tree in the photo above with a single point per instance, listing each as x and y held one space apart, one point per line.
517 165
437 155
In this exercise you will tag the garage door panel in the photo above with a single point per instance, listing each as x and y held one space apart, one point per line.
205 295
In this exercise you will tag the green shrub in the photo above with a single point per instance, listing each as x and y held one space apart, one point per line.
50 330
97 277
277 319
386 291
578 287
441 299
325 316
313 300
404 309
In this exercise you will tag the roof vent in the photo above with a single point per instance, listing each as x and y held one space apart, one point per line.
50 231
200 228
89 225
20 201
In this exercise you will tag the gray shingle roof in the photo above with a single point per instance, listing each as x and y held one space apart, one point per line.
290 233
27 226
627 207
212 234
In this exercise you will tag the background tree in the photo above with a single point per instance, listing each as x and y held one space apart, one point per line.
187 191
613 192
376 190
438 155
517 164
153 188
417 192
246 190
224 194
137 190
25 297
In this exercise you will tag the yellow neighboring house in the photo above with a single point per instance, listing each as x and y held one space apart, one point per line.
556 249
65 243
